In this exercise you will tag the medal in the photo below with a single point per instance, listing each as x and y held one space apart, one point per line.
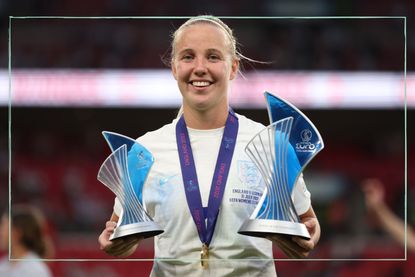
204 256
205 221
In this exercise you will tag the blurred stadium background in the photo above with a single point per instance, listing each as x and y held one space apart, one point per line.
73 78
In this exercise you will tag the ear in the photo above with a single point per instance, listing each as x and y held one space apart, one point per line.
173 69
234 69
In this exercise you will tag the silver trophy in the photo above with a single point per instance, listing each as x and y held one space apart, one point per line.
281 152
124 173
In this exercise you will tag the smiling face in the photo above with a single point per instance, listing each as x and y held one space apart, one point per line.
203 66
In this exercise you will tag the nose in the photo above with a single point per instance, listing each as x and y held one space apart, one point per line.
200 66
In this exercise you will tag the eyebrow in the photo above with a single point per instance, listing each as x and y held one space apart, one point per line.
185 50
207 50
214 50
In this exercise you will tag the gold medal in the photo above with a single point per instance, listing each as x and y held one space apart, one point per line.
204 256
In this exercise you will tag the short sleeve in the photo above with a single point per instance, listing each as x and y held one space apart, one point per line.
301 196
117 207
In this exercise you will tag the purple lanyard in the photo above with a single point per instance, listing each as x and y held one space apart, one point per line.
190 182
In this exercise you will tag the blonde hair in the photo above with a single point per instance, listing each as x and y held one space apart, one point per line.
208 19
213 20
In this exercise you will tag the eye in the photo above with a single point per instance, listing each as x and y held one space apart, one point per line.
187 57
213 57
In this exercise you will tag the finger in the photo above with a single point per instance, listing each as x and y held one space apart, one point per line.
125 243
116 250
110 225
120 244
104 237
310 223
296 252
307 245
278 237
288 251
290 248
293 245
286 240
105 245
129 239
121 249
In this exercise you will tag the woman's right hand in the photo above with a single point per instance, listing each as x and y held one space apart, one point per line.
121 247
374 194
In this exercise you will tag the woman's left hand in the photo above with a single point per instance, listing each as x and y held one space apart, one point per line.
297 247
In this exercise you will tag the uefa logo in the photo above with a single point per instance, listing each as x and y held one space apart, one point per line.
306 135
305 145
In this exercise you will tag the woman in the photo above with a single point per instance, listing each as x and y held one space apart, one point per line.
204 149
28 242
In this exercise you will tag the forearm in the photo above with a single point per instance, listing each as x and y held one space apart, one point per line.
394 225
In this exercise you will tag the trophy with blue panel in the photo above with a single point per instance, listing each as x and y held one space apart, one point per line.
124 172
281 152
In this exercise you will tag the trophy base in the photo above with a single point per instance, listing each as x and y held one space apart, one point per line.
145 229
265 227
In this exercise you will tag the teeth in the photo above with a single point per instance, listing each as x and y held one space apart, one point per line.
201 83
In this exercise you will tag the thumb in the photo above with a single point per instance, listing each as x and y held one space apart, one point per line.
310 223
